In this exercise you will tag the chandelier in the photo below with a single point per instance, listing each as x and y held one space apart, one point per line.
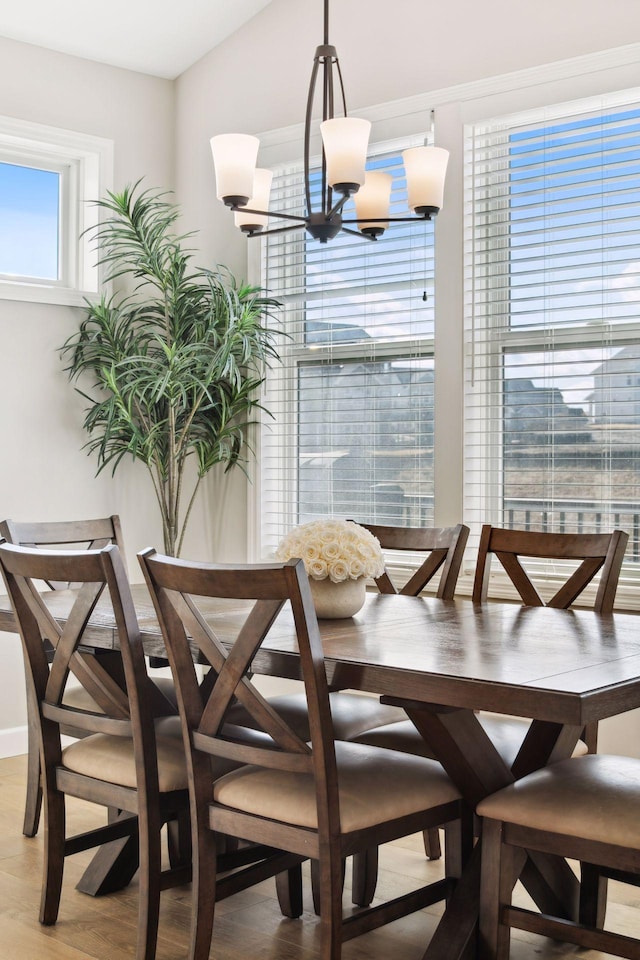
245 188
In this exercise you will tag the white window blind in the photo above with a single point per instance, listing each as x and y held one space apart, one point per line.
352 402
552 307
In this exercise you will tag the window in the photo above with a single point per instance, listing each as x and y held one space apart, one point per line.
353 400
47 179
552 329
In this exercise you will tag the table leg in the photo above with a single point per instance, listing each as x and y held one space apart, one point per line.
114 864
473 763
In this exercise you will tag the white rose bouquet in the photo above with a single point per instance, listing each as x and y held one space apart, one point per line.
334 549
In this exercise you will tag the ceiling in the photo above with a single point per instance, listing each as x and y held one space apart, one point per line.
159 37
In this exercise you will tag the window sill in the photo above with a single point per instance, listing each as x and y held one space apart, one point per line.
43 293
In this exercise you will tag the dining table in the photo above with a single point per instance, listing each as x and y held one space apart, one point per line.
444 661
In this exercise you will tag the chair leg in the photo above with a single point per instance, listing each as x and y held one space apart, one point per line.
289 890
331 874
364 877
33 801
149 892
431 840
593 896
495 890
315 885
53 857
179 839
203 894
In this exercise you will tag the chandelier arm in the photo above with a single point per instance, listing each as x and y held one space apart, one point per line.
344 99
272 230
426 216
356 233
338 207
307 133
271 213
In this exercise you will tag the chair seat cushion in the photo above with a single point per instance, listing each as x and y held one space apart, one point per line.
506 733
80 699
595 797
351 714
375 786
111 759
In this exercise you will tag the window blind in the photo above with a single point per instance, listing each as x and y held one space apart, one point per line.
552 298
351 433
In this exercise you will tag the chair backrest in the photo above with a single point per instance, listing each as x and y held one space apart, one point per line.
598 552
71 534
118 683
445 548
182 594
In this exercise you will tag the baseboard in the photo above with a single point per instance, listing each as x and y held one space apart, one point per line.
13 741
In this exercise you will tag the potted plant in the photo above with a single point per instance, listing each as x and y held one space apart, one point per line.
176 359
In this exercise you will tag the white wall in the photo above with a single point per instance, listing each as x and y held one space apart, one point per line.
44 473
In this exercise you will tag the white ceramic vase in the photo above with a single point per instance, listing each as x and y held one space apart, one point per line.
334 601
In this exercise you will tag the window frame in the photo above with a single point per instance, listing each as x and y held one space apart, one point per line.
603 72
85 164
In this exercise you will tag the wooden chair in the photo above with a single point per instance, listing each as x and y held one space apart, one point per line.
73 534
598 553
585 809
323 799
444 547
354 714
122 764
601 551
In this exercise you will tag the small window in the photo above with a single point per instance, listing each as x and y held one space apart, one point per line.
48 178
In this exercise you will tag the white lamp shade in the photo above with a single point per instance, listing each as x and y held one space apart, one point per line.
373 200
345 141
259 200
234 158
425 168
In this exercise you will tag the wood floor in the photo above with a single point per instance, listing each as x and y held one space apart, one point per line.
248 925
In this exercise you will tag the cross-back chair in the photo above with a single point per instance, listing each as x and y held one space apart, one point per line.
89 534
597 553
320 799
121 762
585 809
444 547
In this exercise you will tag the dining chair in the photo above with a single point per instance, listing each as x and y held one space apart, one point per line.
321 799
598 553
354 714
73 534
585 809
124 761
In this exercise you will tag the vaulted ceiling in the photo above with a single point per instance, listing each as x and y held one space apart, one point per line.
159 37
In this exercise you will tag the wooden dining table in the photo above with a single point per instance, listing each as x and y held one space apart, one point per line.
444 661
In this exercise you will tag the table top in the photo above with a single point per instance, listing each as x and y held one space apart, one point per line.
567 666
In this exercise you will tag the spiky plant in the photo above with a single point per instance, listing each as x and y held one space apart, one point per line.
176 364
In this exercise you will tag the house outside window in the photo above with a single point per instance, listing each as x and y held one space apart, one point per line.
353 400
552 330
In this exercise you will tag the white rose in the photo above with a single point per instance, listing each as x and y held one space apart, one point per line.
317 570
339 571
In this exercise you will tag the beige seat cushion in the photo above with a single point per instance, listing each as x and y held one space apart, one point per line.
78 698
507 734
375 785
351 714
596 797
111 759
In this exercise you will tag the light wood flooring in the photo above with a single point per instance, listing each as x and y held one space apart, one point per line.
248 925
